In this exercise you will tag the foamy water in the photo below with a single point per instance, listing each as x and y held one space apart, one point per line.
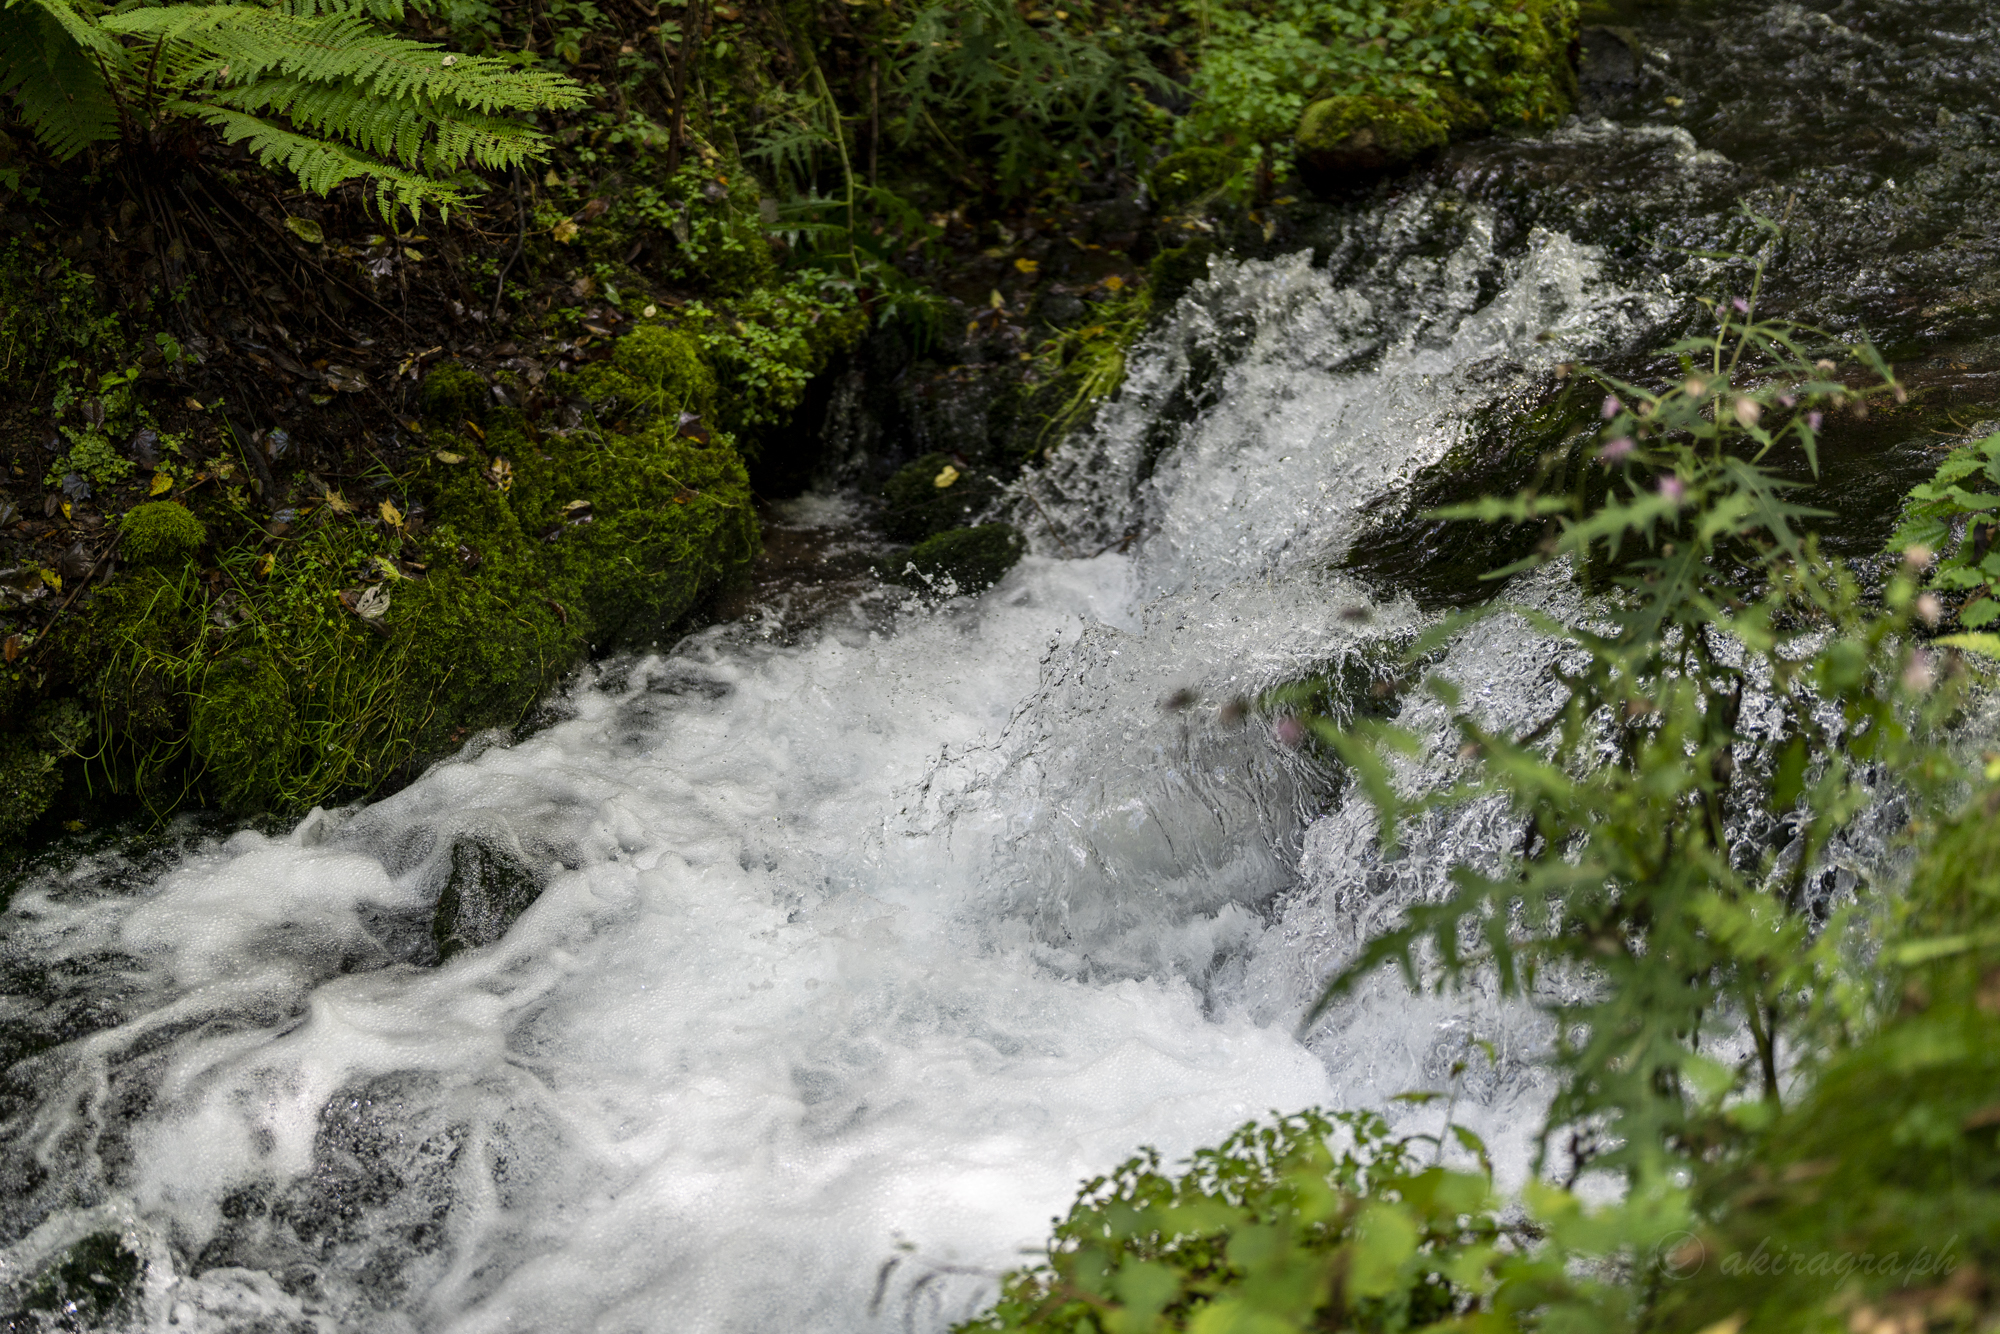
856 953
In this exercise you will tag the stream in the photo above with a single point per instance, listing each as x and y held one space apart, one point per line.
869 926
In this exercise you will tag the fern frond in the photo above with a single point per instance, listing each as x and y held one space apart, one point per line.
417 136
252 42
49 53
321 165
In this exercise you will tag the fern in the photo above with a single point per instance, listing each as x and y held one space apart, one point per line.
317 88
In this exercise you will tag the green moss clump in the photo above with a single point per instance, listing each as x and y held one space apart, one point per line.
160 532
654 371
1190 175
452 392
29 782
1364 134
919 508
243 728
965 560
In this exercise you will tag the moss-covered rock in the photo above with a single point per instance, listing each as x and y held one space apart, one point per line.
1186 177
934 495
160 532
654 372
453 392
1347 136
964 560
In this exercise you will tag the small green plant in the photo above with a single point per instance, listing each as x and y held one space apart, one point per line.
329 92
1045 88
1956 516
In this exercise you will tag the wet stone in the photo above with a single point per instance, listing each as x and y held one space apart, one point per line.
487 891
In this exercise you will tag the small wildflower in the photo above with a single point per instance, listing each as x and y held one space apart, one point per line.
1612 406
1824 367
1615 450
1918 674
1786 401
1695 386
1929 610
1917 556
1673 488
1742 306
1290 732
1748 410
1813 419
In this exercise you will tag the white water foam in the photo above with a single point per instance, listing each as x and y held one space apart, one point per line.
855 954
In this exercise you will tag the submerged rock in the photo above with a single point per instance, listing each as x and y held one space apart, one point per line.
488 889
92 1282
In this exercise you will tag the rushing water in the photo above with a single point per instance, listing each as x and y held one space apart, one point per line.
868 927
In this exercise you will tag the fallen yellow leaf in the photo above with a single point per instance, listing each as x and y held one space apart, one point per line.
446 456
565 231
162 483
997 301
945 478
51 578
264 564
337 502
390 514
1026 265
1114 284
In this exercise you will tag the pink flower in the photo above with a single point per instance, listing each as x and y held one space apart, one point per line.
1290 732
1918 675
1673 488
1612 406
1615 450
1742 306
1813 420
1786 400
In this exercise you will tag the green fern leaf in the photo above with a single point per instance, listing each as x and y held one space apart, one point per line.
49 55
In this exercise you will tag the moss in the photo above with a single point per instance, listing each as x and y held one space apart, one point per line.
1462 115
1345 135
919 508
965 560
452 393
654 371
160 532
29 781
243 727
1186 177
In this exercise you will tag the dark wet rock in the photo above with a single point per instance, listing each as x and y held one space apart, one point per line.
964 560
936 494
489 887
91 1283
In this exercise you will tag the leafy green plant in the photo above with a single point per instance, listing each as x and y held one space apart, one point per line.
1665 851
1260 66
1314 1222
1043 88
326 91
1956 515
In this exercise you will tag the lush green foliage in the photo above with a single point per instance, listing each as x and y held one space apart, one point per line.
326 92
1957 515
1260 66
